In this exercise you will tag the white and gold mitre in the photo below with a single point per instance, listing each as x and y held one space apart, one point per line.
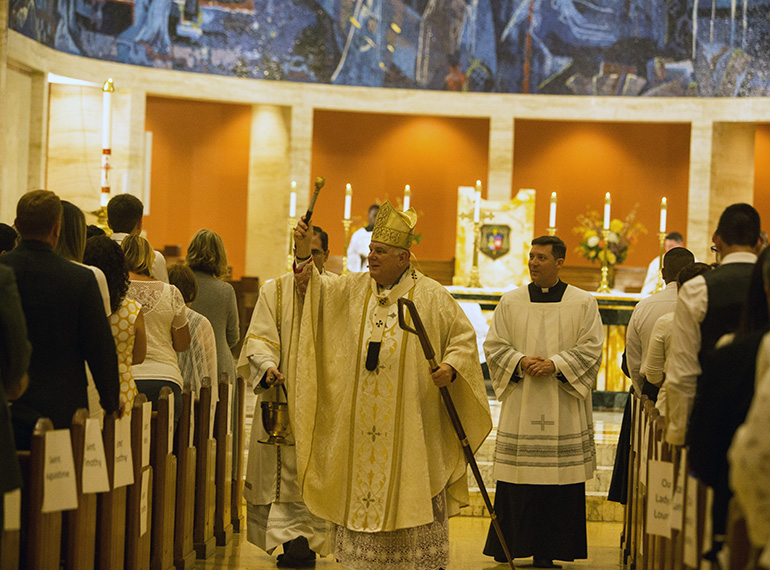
393 227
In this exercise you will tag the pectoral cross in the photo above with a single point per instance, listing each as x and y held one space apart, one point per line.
542 423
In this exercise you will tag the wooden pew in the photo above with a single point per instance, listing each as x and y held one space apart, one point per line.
223 525
41 548
628 543
10 540
205 475
111 509
184 552
79 530
163 464
138 543
236 510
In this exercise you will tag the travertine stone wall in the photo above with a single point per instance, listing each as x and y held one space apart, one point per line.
721 165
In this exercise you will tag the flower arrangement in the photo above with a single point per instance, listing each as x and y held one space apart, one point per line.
623 235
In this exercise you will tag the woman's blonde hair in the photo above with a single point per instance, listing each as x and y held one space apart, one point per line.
139 254
206 253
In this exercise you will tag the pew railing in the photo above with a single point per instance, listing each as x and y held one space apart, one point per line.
205 478
163 464
184 552
223 524
139 505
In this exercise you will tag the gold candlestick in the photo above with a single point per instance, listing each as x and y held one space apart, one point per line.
661 285
474 281
604 285
290 258
345 223
551 231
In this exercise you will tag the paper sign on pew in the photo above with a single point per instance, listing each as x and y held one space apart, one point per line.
677 507
95 476
60 491
124 466
12 510
146 433
659 497
644 453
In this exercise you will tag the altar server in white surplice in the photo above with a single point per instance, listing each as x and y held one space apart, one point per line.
376 451
543 350
276 513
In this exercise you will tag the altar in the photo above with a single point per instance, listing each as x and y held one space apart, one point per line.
615 309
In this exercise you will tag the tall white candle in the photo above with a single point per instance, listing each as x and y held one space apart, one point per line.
476 207
663 215
293 200
348 200
607 211
107 90
407 197
552 216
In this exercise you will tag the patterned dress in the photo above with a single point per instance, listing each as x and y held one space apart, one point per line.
123 323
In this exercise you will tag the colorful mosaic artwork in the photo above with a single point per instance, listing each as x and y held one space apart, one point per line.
673 48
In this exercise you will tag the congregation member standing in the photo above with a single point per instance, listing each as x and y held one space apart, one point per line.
66 323
207 258
543 350
377 455
672 240
199 361
14 359
165 323
126 318
124 216
358 248
640 326
276 513
708 307
8 238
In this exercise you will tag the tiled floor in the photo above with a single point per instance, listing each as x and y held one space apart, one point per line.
467 536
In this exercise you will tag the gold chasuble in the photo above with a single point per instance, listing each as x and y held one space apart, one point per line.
375 446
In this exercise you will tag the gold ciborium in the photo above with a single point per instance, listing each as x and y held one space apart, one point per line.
275 420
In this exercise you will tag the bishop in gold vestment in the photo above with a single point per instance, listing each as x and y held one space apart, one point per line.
376 452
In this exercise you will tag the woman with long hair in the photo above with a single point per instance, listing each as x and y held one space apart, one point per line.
126 319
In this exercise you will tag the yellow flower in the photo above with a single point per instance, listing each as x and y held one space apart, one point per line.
589 234
611 259
616 226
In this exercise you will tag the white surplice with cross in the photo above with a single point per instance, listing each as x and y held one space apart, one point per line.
545 434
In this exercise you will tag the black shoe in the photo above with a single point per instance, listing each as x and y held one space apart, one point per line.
297 554
544 563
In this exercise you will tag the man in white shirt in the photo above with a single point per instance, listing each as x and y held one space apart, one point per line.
708 307
358 249
672 240
640 327
124 216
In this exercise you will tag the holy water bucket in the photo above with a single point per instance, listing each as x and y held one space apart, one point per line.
275 420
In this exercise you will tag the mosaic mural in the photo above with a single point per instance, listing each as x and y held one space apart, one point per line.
703 48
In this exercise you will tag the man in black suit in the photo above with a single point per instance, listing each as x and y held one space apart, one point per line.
14 360
65 320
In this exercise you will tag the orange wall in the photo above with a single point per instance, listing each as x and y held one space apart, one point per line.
762 173
581 161
379 154
200 162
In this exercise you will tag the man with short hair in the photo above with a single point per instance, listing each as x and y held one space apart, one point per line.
709 306
66 323
124 216
358 248
544 349
640 326
276 513
377 455
672 240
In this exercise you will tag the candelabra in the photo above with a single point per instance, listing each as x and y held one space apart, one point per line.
660 286
551 231
290 258
474 277
604 286
345 223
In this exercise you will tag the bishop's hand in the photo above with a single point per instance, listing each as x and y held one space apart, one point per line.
443 375
273 377
303 235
